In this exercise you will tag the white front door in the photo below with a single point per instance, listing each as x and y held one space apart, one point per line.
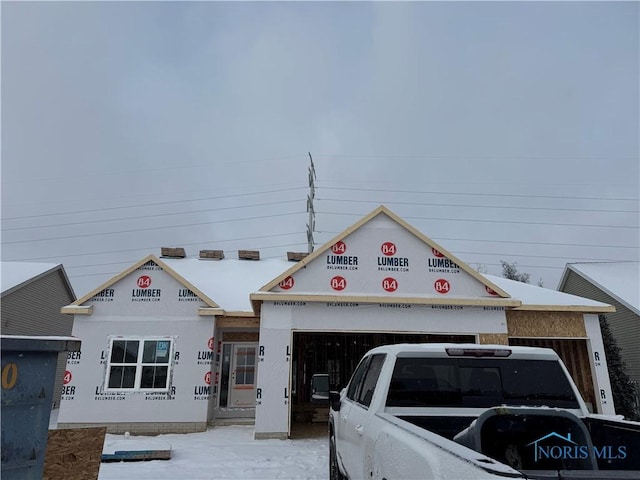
242 382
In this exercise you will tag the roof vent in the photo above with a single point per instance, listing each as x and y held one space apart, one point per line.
172 252
296 256
211 254
248 255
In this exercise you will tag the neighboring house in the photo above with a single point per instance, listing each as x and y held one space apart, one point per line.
618 284
32 296
174 343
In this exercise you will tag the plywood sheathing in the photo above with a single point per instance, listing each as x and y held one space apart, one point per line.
248 255
238 322
173 252
494 338
212 254
296 256
545 324
74 454
240 336
574 353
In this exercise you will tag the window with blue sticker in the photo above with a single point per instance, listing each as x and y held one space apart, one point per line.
139 364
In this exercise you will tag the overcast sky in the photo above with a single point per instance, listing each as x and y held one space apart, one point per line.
503 131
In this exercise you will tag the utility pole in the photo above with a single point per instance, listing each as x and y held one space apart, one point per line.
311 222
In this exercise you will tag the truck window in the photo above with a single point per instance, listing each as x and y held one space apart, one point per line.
370 380
356 378
478 383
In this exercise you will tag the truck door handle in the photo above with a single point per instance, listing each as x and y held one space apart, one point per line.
359 429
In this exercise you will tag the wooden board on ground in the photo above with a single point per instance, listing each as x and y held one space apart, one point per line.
74 453
136 455
128 449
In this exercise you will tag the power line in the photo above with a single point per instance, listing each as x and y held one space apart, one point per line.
327 232
150 216
481 206
133 261
155 247
474 157
494 221
155 204
511 195
152 228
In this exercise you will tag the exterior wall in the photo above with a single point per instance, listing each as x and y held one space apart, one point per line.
524 323
85 401
281 319
623 323
34 309
147 303
564 332
602 383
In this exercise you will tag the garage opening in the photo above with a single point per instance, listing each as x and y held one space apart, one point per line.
332 358
574 354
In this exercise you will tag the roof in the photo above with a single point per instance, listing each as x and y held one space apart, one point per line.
619 280
241 285
224 284
228 282
539 298
14 275
382 211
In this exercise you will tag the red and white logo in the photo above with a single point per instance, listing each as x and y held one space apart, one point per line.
339 247
436 253
67 377
211 343
287 283
207 378
144 281
490 291
390 284
388 248
442 286
338 283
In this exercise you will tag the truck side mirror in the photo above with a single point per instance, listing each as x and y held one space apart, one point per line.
334 400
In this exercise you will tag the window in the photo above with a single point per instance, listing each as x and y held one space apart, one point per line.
139 364
478 383
356 378
364 379
245 366
370 380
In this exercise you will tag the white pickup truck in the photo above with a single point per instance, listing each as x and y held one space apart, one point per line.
449 411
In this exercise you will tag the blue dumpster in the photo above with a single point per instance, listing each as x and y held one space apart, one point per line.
28 377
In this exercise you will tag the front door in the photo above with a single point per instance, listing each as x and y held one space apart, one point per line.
242 381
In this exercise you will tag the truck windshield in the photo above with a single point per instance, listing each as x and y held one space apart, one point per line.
478 383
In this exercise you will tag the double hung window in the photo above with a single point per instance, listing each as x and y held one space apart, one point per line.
139 364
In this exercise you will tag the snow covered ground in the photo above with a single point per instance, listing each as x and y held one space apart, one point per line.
228 452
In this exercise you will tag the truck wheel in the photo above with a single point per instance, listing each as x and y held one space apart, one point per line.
334 470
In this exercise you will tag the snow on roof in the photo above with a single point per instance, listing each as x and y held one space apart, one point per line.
14 274
228 282
531 295
620 280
